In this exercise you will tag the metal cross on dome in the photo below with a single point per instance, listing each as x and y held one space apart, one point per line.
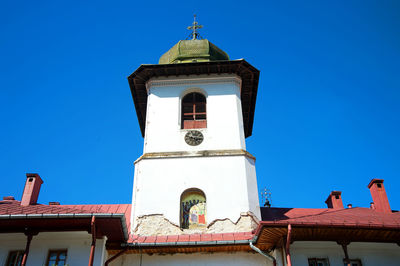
194 35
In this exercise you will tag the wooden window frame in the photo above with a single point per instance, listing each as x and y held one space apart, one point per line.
194 122
20 253
58 251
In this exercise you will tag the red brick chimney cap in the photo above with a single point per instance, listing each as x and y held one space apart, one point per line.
373 181
37 176
333 193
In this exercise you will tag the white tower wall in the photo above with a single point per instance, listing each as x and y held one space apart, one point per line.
229 183
219 166
224 114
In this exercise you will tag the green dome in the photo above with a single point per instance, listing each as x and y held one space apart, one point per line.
193 51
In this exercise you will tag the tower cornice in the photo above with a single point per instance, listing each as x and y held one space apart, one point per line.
248 74
194 80
188 154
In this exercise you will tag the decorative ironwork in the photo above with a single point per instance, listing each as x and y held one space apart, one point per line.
194 35
266 197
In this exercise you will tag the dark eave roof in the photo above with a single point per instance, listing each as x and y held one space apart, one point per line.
271 235
349 225
107 224
248 74
187 243
112 220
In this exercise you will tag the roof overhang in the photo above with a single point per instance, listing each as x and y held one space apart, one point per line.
182 247
185 248
248 74
186 243
111 225
270 235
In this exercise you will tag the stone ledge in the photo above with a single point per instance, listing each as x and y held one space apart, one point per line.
186 154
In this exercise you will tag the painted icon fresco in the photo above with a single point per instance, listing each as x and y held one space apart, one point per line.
193 209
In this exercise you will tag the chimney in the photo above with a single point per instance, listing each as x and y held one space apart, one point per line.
378 193
31 190
334 200
372 206
8 198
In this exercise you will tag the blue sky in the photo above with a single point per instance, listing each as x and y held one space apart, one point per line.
327 112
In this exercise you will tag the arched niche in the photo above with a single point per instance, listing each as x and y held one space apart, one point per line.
193 209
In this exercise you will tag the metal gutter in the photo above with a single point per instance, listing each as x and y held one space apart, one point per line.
187 243
115 256
26 251
263 253
288 239
93 245
330 225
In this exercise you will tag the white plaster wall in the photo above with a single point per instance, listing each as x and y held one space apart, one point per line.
371 254
279 255
224 114
252 189
229 183
76 243
217 259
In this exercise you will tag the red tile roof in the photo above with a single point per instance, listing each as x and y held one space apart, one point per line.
104 208
13 207
354 217
360 217
350 225
194 238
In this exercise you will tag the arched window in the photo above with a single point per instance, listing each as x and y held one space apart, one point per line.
193 209
194 111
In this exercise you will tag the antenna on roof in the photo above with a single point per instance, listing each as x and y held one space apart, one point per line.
194 35
266 197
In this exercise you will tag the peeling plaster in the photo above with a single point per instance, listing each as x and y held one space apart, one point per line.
246 222
157 224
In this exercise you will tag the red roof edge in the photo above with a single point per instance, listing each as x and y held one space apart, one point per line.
375 180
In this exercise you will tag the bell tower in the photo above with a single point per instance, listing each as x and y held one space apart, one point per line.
195 109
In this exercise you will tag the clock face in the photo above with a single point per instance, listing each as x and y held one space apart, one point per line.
194 137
